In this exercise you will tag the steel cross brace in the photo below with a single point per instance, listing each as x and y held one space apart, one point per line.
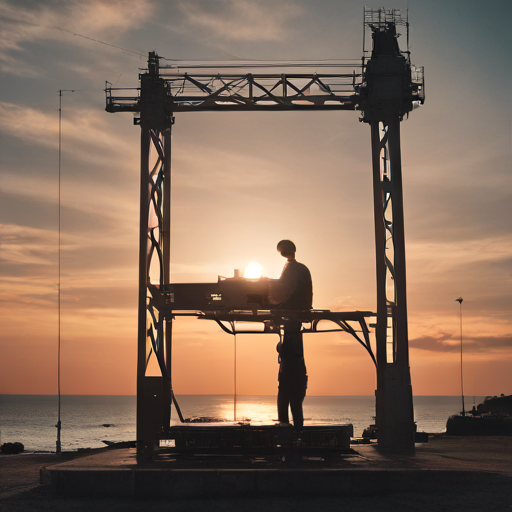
273 320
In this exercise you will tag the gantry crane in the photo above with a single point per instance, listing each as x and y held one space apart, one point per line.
385 88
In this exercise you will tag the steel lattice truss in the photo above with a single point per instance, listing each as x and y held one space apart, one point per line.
155 246
188 92
390 289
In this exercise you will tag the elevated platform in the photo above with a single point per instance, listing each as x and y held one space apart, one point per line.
251 439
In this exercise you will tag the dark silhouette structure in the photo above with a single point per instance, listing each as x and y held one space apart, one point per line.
385 87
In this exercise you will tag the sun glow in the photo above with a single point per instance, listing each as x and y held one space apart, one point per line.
253 270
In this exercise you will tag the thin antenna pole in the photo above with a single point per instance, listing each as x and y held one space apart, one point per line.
234 372
59 424
459 300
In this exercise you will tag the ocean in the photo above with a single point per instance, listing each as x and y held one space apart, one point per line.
89 420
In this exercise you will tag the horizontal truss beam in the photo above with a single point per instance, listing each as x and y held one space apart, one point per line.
249 92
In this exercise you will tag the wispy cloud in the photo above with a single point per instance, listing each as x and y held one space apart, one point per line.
86 131
27 246
241 20
22 122
88 17
81 202
98 273
444 342
347 303
101 156
440 257
41 21
89 261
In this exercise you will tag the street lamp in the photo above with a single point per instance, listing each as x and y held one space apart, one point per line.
459 300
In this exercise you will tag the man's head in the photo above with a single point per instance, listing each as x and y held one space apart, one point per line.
287 249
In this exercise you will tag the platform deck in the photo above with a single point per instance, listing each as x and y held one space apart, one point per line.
440 464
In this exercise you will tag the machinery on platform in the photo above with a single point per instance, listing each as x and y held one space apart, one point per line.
249 301
385 87
236 293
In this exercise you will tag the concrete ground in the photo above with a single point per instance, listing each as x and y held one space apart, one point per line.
446 474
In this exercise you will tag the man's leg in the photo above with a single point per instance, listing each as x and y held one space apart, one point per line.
296 400
297 396
283 401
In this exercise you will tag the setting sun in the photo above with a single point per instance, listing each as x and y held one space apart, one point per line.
253 270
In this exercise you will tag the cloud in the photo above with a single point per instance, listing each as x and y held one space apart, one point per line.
93 18
90 260
88 17
27 246
86 132
98 279
85 205
441 257
38 291
97 160
346 303
26 122
445 343
240 20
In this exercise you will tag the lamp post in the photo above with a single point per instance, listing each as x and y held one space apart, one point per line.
459 300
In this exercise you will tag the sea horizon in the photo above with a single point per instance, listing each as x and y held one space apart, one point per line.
92 421
227 394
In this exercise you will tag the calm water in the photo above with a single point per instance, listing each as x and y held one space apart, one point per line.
31 419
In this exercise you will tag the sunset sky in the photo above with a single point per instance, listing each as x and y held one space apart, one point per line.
244 181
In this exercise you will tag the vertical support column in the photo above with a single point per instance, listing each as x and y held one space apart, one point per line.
166 234
142 425
394 409
401 330
386 96
380 245
154 392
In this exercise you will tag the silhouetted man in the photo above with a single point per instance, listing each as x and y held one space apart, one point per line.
294 291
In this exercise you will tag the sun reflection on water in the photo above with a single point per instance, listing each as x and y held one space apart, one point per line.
249 411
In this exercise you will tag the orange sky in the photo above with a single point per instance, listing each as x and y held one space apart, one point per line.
242 182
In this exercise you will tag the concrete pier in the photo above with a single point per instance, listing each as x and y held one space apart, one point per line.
444 463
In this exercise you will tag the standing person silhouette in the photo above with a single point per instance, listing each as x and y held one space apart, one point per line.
294 291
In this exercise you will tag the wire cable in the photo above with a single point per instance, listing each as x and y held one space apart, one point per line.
101 42
260 66
261 61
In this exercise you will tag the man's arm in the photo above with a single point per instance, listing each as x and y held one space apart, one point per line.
282 289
